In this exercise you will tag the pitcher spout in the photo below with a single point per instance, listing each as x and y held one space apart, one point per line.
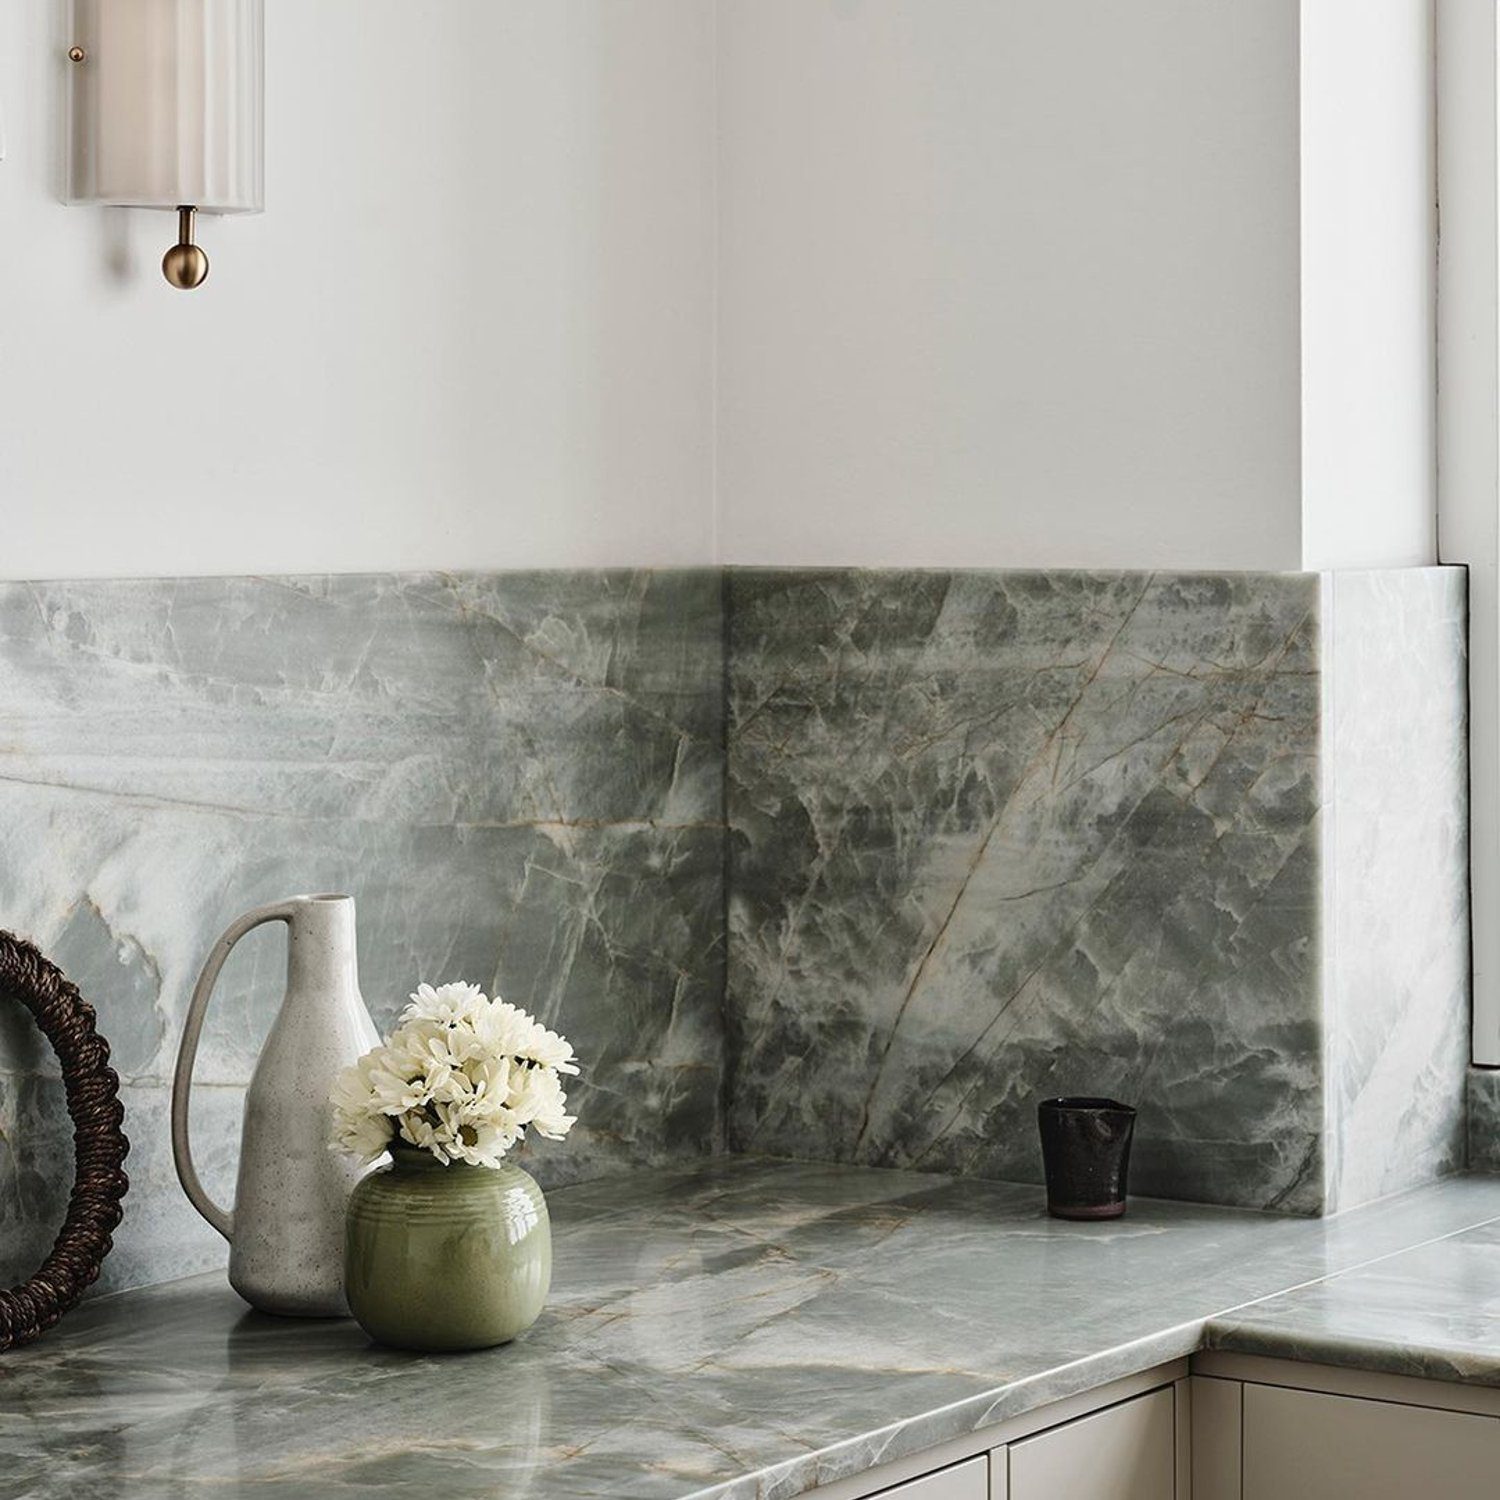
321 950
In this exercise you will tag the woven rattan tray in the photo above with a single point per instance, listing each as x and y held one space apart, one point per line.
99 1145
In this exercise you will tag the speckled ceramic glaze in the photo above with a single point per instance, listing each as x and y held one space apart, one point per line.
1086 1156
286 1230
446 1257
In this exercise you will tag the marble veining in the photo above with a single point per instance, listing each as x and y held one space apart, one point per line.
1395 904
1484 1119
1431 1312
997 836
991 836
518 776
736 1329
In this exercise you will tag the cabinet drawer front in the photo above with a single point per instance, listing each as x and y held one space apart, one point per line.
1302 1445
1124 1453
966 1481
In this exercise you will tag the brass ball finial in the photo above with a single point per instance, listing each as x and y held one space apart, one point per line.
185 265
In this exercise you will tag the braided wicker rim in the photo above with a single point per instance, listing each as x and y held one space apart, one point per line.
99 1145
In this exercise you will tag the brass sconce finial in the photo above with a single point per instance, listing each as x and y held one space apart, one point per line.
185 265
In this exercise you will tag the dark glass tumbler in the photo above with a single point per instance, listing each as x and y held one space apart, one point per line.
1086 1155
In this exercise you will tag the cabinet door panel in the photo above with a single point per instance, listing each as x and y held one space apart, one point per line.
966 1481
1302 1445
1217 1424
1124 1453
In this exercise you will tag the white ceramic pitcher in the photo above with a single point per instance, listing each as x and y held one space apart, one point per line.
286 1233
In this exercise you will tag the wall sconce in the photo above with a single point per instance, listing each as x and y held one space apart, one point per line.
167 111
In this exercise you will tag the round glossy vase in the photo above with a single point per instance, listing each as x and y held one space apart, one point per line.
439 1258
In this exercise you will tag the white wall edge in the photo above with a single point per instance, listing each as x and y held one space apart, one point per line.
1468 424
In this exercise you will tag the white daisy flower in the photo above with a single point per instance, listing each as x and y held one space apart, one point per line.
447 1005
462 1077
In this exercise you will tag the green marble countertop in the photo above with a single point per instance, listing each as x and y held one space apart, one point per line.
740 1328
1431 1311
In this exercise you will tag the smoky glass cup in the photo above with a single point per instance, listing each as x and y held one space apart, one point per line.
1086 1156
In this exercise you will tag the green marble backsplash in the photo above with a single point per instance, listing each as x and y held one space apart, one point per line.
519 777
1193 840
998 837
988 836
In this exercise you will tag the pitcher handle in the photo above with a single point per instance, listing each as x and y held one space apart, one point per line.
187 1053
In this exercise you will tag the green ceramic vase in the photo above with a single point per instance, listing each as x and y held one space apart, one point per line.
439 1258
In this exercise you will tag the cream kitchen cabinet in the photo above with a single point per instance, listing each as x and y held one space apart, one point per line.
1125 1440
969 1480
1268 1429
1126 1452
1306 1445
1231 1427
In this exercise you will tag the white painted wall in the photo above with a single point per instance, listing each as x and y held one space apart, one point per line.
1009 283
997 284
1369 284
1027 284
473 328
1469 440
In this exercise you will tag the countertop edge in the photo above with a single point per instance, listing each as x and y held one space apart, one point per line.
969 1417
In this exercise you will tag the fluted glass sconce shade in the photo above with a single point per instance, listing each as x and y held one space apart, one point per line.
167 111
